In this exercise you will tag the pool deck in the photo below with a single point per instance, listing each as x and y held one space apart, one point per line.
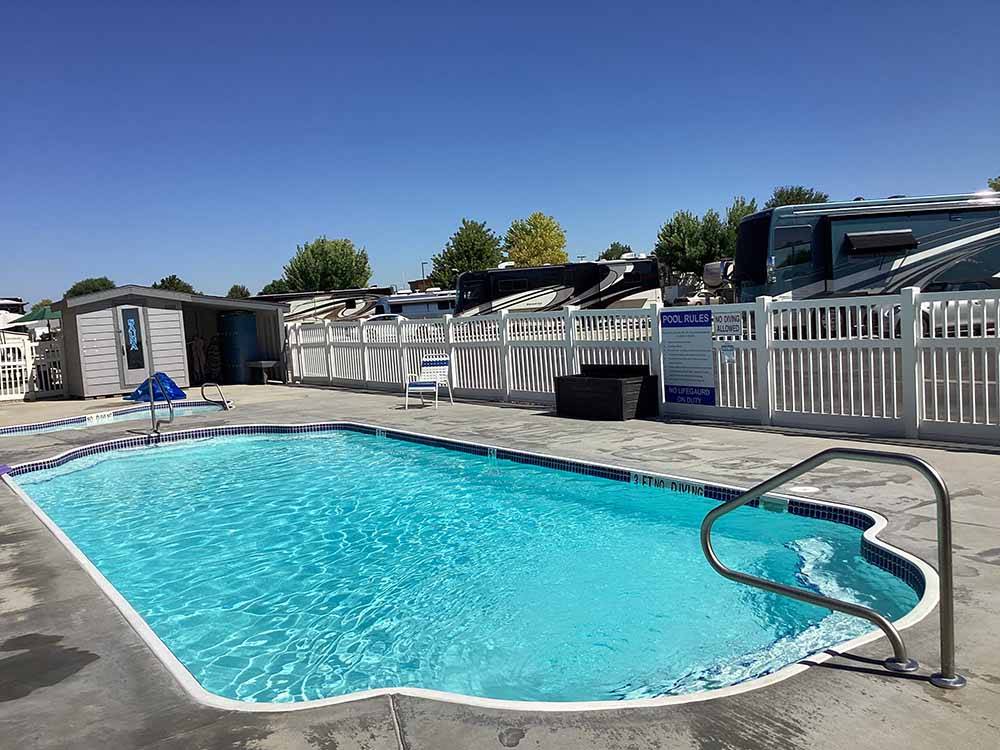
73 674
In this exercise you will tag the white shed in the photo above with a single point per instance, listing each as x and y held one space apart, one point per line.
112 340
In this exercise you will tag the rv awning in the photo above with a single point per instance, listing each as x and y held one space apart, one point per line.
891 241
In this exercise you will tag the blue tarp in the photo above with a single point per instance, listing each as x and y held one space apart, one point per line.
142 392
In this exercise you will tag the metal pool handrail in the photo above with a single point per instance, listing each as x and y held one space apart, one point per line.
899 662
152 403
226 405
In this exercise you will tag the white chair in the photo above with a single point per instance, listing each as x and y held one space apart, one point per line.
434 373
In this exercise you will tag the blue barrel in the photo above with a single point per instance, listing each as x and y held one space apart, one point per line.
237 345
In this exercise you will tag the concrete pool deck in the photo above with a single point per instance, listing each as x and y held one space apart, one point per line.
74 674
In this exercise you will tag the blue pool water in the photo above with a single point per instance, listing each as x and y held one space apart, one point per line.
99 418
289 568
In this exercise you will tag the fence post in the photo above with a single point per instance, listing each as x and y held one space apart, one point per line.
328 339
504 330
572 355
365 364
449 346
656 355
909 317
403 364
765 367
300 363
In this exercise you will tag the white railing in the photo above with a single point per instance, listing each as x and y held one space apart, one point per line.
508 356
913 364
30 369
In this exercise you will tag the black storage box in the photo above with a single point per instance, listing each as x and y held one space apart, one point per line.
617 392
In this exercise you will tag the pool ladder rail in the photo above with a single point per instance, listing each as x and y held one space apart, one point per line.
152 403
899 662
155 422
223 402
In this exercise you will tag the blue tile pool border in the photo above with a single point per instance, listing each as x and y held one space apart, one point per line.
876 555
27 429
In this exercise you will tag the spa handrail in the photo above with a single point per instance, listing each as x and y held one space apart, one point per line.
899 662
152 403
226 405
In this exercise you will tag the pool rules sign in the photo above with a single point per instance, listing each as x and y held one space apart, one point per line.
687 355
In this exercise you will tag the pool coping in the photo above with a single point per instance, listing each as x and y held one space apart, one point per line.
96 417
879 553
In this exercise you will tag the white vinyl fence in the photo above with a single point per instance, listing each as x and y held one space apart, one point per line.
30 369
503 357
913 364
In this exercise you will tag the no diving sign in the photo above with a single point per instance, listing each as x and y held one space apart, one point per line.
728 324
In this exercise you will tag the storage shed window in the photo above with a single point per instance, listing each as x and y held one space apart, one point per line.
879 243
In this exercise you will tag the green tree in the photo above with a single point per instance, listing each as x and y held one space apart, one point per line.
535 241
277 286
614 251
473 247
174 283
238 291
994 183
678 241
89 286
325 264
790 195
43 302
737 211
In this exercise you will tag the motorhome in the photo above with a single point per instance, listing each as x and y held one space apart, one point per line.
336 304
430 303
939 243
631 281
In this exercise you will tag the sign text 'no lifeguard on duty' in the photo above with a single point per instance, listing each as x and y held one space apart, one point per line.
687 343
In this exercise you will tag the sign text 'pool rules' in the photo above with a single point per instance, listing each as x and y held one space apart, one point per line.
687 342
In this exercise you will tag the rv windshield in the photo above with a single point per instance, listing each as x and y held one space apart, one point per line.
751 250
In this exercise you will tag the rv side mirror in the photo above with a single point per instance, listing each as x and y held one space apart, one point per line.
717 274
712 275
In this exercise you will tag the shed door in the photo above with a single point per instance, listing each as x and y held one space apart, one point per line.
134 352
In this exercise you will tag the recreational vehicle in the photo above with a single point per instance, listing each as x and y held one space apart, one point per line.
336 304
627 282
939 243
431 303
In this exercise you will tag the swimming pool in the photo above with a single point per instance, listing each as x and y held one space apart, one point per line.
297 567
125 414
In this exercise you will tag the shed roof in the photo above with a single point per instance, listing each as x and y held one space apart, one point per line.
135 290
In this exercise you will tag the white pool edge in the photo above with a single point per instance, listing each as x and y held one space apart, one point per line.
193 688
92 419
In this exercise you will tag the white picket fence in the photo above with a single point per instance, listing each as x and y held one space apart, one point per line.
30 369
508 357
913 364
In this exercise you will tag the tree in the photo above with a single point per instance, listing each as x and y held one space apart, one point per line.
174 283
687 242
277 286
89 286
43 302
238 291
535 241
994 183
473 247
614 251
677 242
325 264
789 195
737 211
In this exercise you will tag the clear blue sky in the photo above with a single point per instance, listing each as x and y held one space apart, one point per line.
207 139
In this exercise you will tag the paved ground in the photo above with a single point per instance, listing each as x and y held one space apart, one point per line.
74 675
